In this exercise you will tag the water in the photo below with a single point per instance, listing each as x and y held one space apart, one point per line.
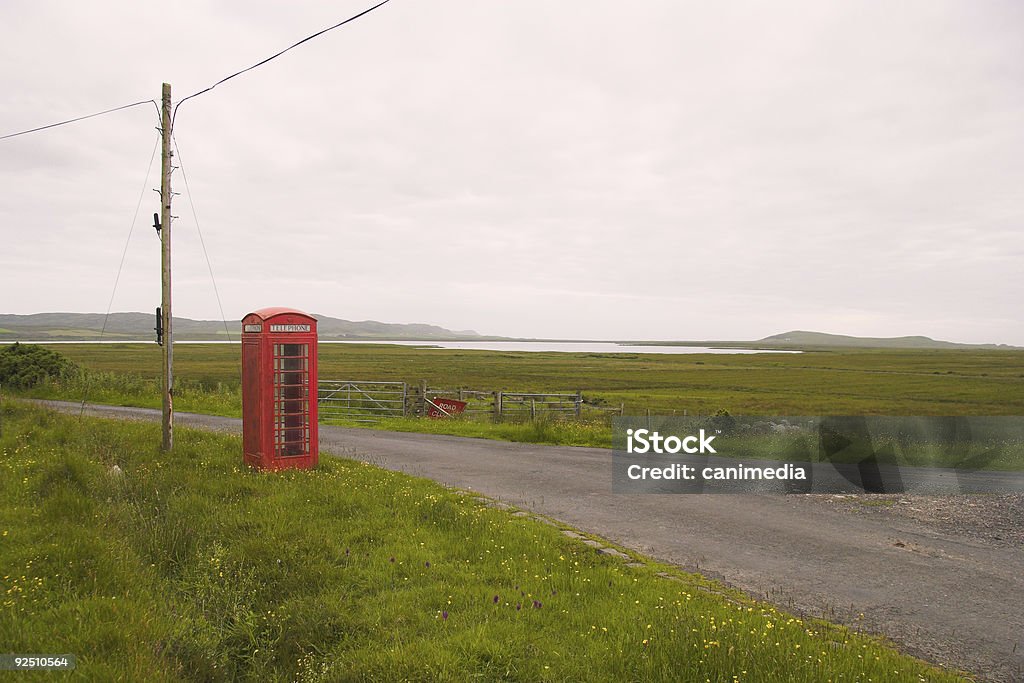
566 347
535 346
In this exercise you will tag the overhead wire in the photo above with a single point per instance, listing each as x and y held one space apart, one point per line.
174 140
80 118
199 230
274 56
200 92
124 252
173 116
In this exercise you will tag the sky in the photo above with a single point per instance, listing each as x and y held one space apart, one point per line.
575 169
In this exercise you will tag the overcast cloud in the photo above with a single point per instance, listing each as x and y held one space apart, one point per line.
577 169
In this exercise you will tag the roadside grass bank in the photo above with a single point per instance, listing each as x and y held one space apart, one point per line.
557 432
211 397
111 388
187 566
852 382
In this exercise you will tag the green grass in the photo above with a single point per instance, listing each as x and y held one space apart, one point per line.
187 566
840 382
820 382
132 389
995 444
74 333
560 432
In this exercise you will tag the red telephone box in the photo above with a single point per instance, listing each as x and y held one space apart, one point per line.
279 389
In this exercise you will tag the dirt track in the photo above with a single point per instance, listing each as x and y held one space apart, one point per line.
942 578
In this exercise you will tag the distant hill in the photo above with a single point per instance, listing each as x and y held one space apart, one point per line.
371 329
801 338
139 326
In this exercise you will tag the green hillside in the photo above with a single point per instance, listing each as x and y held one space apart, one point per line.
805 339
139 326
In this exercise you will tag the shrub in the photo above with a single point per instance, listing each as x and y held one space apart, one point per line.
723 421
25 365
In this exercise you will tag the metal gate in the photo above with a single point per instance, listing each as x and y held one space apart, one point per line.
358 401
522 405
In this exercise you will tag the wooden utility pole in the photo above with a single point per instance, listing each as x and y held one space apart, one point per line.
165 269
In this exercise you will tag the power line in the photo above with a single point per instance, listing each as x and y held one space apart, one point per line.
195 94
81 118
191 203
124 252
274 56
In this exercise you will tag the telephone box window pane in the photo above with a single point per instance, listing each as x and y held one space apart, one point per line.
295 349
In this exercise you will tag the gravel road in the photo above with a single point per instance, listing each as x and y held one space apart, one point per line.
942 577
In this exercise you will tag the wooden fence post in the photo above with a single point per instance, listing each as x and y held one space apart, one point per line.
579 403
497 406
423 398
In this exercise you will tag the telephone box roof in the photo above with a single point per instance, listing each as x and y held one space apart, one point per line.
273 311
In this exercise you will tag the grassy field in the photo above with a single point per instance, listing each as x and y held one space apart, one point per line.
189 567
820 382
853 382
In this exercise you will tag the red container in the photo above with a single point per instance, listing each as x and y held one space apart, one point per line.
279 389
